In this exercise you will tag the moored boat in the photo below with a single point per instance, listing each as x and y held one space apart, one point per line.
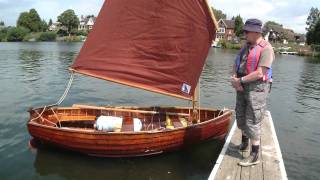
158 46
72 128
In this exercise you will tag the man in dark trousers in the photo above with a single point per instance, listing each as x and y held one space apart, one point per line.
252 77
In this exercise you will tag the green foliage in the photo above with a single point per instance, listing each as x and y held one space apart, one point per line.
229 45
223 43
219 14
268 23
238 25
3 34
313 27
16 34
50 22
1 23
62 32
312 19
23 20
79 32
72 39
69 19
30 20
313 35
44 26
47 36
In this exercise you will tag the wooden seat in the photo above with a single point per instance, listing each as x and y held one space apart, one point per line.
176 123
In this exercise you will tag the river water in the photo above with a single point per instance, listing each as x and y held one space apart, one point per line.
35 74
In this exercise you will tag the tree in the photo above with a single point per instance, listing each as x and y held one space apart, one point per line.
1 23
16 34
23 20
313 26
313 35
219 14
69 19
3 34
30 20
44 26
50 22
36 24
238 25
312 19
272 23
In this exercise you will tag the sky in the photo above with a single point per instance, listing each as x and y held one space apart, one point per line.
292 14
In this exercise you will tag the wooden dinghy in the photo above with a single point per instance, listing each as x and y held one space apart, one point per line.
73 129
159 46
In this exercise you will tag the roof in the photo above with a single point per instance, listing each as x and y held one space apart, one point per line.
230 24
88 20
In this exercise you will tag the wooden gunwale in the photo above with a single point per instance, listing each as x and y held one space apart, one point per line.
84 131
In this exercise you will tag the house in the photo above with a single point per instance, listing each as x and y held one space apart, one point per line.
226 30
277 33
300 39
56 27
87 22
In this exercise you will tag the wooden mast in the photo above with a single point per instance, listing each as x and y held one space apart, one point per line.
195 98
195 105
212 15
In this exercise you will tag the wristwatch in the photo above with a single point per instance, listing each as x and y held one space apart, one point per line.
241 81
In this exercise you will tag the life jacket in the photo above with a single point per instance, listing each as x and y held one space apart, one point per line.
253 60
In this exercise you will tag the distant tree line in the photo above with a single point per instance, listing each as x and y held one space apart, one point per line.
29 25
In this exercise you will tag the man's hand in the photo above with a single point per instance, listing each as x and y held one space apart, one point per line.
236 83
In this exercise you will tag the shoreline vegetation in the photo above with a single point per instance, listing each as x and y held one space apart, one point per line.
68 28
30 28
283 40
307 50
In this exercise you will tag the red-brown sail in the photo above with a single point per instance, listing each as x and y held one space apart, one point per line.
156 45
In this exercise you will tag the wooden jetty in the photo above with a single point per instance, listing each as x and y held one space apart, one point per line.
271 166
289 52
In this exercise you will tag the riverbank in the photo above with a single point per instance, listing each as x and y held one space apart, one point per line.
20 34
279 48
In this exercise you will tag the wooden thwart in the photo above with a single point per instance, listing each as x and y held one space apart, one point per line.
127 110
271 165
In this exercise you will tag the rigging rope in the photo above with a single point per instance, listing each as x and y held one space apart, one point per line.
61 98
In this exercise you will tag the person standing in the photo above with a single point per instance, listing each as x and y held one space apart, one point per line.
252 78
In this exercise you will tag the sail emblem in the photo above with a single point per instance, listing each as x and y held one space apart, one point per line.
186 88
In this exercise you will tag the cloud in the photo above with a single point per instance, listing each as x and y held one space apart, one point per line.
292 14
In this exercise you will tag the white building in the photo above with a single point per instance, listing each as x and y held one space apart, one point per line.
86 23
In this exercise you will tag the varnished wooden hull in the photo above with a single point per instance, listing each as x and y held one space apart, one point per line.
131 144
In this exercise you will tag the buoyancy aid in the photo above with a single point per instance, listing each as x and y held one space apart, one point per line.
253 59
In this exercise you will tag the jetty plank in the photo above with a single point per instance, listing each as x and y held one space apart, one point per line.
271 165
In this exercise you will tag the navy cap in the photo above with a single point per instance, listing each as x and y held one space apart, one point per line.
253 25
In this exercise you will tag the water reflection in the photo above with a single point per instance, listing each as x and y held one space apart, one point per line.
308 90
31 63
192 163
